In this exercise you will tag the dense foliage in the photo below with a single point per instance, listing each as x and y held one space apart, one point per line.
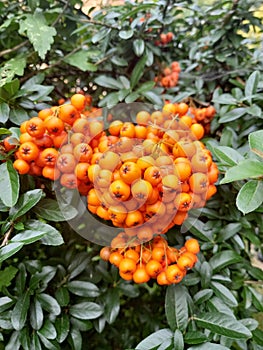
55 290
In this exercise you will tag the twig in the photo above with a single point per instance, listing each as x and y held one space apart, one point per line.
100 23
17 47
6 236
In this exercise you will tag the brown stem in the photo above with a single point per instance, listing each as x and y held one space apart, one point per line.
6 236
13 49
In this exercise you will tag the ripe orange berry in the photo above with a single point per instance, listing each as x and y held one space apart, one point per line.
21 166
129 172
115 258
78 101
105 253
141 275
153 268
68 113
174 274
120 190
192 246
127 266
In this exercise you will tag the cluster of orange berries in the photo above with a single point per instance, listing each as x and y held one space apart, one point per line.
165 38
169 75
153 260
203 116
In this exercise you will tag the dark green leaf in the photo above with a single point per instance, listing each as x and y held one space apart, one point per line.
112 305
86 310
224 293
225 258
258 336
137 72
9 250
202 296
27 237
19 313
7 275
206 274
78 264
4 112
25 338
80 60
195 337
49 209
248 168
14 342
83 288
42 278
18 115
222 324
232 115
251 85
153 97
35 342
119 61
176 308
49 344
49 303
226 99
82 325
249 197
5 303
148 85
26 201
227 155
132 97
48 330
62 326
208 345
138 47
126 34
51 236
255 142
4 131
155 339
62 296
178 340
75 339
36 315
9 184
108 82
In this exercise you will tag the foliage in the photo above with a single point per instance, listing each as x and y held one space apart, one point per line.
55 291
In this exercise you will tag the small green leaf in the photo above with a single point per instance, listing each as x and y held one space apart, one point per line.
14 341
9 183
153 97
255 142
155 339
223 324
9 250
78 264
224 293
5 303
35 342
119 61
62 326
86 310
138 71
138 47
178 340
38 32
126 34
48 344
208 345
225 258
49 209
252 85
62 296
176 308
148 85
108 82
51 236
7 275
36 315
19 313
248 168
4 112
4 131
26 202
48 330
227 155
75 339
112 305
28 236
232 115
83 288
225 99
39 280
249 197
202 296
194 337
18 115
80 60
49 303
12 67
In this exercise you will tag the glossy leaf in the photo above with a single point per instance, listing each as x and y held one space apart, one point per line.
208 345
155 339
178 340
224 293
86 310
251 85
249 197
7 275
9 181
176 309
48 330
227 155
9 250
4 112
232 115
108 82
49 303
75 339
19 313
112 305
83 288
138 71
249 168
255 142
49 209
195 337
225 258
138 47
62 327
223 324
36 315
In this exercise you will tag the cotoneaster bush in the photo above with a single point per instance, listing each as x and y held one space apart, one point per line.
56 291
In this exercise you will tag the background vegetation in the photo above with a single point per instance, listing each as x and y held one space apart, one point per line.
55 291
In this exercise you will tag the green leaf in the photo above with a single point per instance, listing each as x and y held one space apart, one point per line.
138 47
4 112
49 209
227 155
119 61
225 99
178 340
155 339
62 296
202 296
83 288
223 259
9 250
5 303
86 310
4 131
252 85
249 197
19 313
176 308
194 337
49 303
112 305
232 115
108 82
7 275
14 342
18 115
138 71
48 330
222 324
36 315
148 85
26 202
224 293
248 168
39 280
35 342
25 338
12 67
62 326
255 142
75 339
49 344
78 264
39 33
126 34
206 274
51 236
208 345
28 236
80 60
9 183
153 97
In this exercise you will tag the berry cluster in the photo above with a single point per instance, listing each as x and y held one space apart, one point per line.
169 75
154 259
165 38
